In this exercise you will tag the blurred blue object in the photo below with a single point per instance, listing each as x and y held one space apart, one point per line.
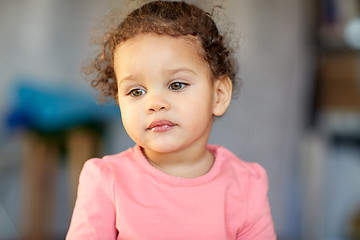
55 108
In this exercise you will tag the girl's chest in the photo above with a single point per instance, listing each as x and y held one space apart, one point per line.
152 211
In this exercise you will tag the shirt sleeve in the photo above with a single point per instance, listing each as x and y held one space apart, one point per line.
94 211
258 224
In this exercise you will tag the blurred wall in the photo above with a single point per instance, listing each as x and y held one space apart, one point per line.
45 39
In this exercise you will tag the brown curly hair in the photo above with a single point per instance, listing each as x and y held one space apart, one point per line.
163 17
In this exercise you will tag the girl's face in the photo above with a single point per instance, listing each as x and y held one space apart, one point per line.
165 92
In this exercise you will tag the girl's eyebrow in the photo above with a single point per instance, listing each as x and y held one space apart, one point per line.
174 71
131 77
127 78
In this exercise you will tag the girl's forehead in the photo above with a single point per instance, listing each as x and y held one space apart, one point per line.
159 52
192 41
157 47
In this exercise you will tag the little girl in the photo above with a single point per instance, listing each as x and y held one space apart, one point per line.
168 69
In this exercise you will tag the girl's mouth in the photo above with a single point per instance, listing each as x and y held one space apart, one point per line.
160 126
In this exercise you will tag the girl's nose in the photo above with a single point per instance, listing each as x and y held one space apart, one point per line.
157 103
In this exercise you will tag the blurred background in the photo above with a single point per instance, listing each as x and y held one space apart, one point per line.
298 113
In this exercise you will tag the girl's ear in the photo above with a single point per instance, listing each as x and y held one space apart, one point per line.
222 95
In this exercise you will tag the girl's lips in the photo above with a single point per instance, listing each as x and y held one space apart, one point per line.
160 125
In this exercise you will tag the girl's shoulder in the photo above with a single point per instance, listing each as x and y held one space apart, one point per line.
229 161
115 164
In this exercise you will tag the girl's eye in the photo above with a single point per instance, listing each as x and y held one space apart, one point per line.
177 85
136 92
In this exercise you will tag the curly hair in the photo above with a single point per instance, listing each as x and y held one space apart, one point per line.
171 18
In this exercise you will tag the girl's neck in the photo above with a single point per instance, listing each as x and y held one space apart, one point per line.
191 162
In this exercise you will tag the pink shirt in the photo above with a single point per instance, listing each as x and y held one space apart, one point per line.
123 197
